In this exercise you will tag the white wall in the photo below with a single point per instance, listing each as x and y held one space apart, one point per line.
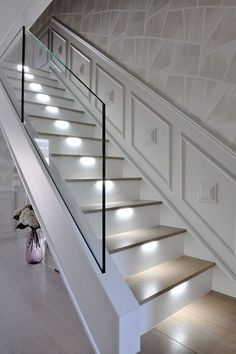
15 14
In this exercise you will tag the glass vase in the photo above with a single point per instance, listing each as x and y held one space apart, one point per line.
34 250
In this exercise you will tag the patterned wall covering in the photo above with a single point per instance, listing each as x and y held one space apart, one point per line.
185 49
8 172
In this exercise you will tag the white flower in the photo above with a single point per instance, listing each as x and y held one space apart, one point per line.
27 217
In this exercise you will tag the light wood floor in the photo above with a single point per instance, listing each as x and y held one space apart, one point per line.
36 315
207 326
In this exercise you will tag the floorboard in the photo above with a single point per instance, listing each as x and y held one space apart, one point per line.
36 314
206 326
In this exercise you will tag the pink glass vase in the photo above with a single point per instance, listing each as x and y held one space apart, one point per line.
34 251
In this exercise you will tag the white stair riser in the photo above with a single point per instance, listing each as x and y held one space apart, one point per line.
89 192
47 90
13 67
64 114
158 309
138 259
50 126
71 167
60 145
53 101
38 78
142 217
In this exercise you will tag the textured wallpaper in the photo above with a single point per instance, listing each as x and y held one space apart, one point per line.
185 49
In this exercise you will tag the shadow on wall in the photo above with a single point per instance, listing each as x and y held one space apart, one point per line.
186 50
7 169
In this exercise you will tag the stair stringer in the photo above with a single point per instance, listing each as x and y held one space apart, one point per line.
113 327
183 131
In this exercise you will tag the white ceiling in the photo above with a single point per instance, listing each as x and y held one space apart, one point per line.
16 13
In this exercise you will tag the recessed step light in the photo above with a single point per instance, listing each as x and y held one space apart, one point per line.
150 246
109 185
20 67
88 161
34 86
179 289
62 124
29 76
52 109
124 213
43 98
73 141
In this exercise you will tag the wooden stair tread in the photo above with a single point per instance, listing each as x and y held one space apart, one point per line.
157 280
38 82
45 93
83 179
35 72
34 116
134 238
60 107
95 156
12 66
93 208
71 136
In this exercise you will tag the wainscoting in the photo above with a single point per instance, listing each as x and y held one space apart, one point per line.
191 169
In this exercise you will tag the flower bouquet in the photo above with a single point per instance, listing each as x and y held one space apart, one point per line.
27 218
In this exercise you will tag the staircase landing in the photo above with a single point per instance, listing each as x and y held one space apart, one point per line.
206 326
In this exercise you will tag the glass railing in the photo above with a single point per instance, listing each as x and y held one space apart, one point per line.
59 113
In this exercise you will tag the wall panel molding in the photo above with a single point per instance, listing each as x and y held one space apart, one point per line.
199 168
156 153
59 47
112 93
81 65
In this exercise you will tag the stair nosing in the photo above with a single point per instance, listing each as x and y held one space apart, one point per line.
112 208
71 136
15 69
44 93
95 156
99 179
48 94
175 232
175 284
41 83
54 119
178 283
42 77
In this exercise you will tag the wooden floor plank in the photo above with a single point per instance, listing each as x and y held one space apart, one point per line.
155 342
196 328
194 335
36 314
216 308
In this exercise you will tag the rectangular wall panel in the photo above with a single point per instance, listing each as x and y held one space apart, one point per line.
59 48
112 92
40 58
151 138
80 64
209 190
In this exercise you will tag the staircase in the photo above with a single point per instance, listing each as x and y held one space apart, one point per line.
137 228
150 255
